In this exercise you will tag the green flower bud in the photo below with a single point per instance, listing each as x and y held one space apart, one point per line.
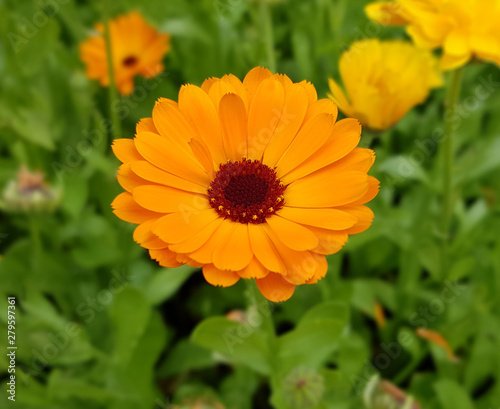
303 388
28 193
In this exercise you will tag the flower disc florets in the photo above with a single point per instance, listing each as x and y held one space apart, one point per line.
246 191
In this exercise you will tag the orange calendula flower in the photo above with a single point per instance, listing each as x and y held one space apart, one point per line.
252 179
462 28
436 338
383 81
136 47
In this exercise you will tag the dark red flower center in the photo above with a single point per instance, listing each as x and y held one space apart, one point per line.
130 61
246 191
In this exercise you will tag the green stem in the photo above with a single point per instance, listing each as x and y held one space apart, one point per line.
113 93
260 306
35 240
448 152
267 23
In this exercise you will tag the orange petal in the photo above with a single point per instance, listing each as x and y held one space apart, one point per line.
321 106
263 116
197 106
275 288
253 80
205 253
171 122
290 121
126 208
146 125
207 84
165 258
128 179
321 269
166 155
264 249
198 240
202 154
164 199
254 270
327 189
151 173
436 338
309 139
330 241
234 253
332 219
177 227
373 189
363 214
293 235
145 237
233 121
310 90
359 159
343 139
219 278
300 265
125 150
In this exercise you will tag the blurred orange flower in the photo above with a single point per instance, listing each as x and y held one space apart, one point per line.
436 338
462 28
136 47
251 179
383 81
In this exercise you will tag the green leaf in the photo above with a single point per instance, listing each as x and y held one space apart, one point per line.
130 312
186 356
166 282
309 344
239 343
451 395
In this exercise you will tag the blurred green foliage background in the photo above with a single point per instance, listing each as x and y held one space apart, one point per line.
100 325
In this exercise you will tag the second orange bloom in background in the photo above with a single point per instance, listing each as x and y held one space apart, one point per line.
137 48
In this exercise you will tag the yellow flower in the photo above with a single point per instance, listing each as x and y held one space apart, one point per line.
383 81
136 47
462 28
252 179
